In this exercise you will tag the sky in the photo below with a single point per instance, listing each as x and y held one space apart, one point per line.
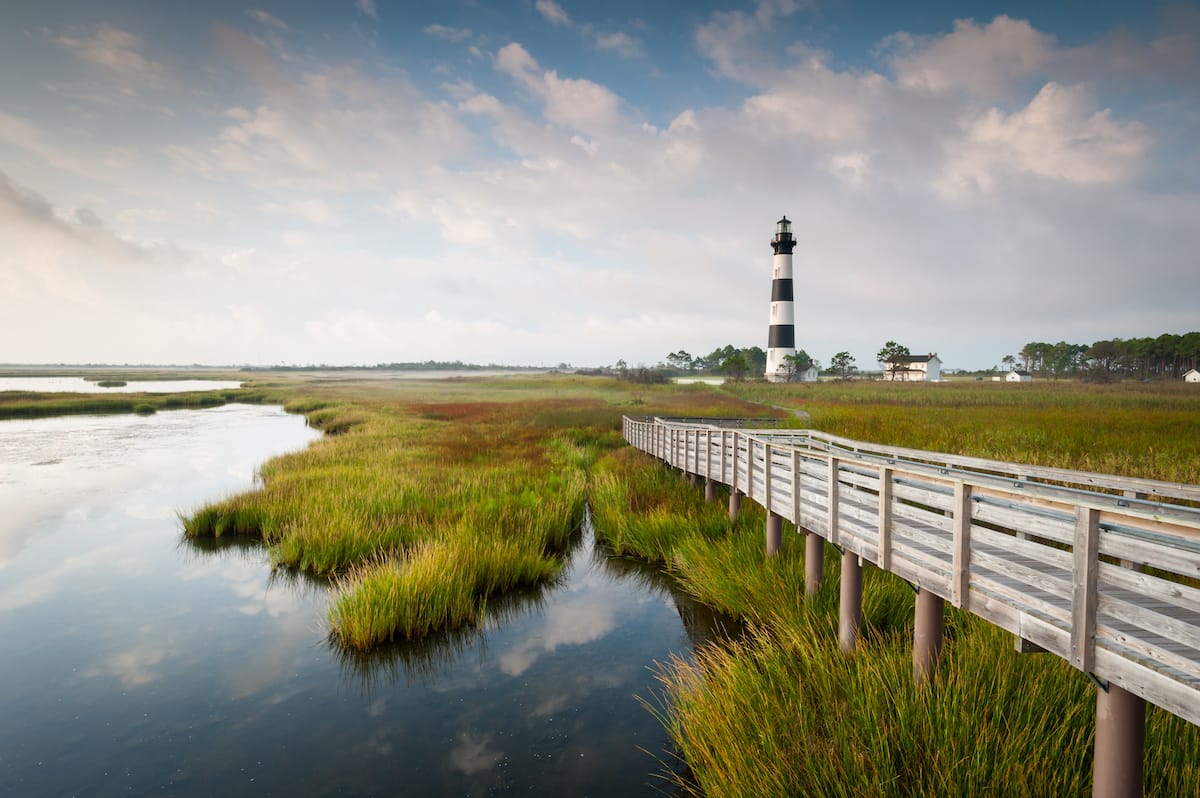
542 181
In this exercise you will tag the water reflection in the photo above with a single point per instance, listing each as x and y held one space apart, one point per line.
576 609
82 385
139 664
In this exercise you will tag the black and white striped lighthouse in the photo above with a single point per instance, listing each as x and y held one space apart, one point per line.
781 340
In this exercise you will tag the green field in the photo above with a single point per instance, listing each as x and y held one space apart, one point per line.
425 500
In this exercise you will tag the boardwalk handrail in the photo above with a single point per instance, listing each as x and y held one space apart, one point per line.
1098 569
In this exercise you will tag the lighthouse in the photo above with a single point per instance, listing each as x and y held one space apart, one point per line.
781 340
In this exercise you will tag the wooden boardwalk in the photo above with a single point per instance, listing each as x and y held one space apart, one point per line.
1099 570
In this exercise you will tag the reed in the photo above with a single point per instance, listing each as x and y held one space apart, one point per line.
483 484
783 712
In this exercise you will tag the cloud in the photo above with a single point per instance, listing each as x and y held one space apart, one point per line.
367 7
315 211
985 60
552 12
114 49
258 15
818 103
330 128
621 43
575 103
730 40
25 209
1058 135
448 34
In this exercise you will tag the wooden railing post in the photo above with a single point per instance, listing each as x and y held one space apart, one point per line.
961 553
885 519
710 485
796 488
724 446
774 520
750 468
832 507
735 497
1083 594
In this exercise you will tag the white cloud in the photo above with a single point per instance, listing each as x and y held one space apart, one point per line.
851 167
114 49
266 18
315 211
730 40
572 102
983 59
818 103
539 217
367 7
621 43
1058 135
553 12
448 34
333 128
26 210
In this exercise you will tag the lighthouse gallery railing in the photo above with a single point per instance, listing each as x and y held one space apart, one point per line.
1100 570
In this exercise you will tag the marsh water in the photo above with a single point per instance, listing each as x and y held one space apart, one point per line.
82 385
135 662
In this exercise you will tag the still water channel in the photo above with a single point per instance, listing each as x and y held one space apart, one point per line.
135 662
81 385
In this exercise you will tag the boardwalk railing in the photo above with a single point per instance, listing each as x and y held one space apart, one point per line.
1100 570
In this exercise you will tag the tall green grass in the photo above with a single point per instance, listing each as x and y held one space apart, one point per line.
785 713
1131 429
428 501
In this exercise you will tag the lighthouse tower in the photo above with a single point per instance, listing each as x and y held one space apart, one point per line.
781 341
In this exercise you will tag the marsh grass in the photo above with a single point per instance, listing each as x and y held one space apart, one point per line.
783 712
428 506
1131 429
25 404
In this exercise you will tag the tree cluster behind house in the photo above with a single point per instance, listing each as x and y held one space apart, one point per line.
1168 357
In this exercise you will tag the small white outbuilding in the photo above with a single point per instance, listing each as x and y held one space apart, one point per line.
1192 376
1018 376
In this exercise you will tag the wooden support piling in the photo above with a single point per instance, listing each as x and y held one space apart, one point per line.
814 563
1120 743
927 635
710 489
850 603
735 504
774 534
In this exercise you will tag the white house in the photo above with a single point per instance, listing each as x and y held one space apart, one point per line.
1018 376
810 374
1192 376
784 374
919 368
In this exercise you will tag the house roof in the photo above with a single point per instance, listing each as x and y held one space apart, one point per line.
920 358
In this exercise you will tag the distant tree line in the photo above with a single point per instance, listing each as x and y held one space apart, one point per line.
729 361
1168 356
414 365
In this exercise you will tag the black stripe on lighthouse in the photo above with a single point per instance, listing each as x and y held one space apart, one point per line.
781 336
781 290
